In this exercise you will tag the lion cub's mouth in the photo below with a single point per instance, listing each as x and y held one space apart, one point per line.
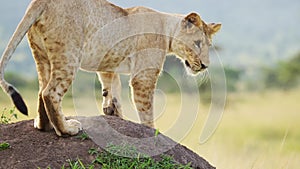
196 69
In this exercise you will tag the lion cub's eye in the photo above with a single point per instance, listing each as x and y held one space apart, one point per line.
197 43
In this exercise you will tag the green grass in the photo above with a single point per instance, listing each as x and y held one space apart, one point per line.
77 165
4 146
83 136
258 130
121 157
7 116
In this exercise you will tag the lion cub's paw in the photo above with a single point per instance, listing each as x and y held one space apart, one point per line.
114 108
73 127
44 126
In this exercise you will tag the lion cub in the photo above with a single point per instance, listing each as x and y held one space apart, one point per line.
97 36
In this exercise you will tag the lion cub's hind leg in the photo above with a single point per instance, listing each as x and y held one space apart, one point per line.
111 92
41 122
62 75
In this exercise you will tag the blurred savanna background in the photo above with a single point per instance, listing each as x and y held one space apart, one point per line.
259 48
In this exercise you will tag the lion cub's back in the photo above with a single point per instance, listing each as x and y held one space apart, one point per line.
139 9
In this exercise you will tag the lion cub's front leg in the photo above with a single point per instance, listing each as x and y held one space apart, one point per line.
143 85
111 92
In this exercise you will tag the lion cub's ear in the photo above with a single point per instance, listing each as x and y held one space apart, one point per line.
214 28
192 22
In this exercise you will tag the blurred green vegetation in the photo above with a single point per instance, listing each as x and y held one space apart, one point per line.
285 75
6 116
21 81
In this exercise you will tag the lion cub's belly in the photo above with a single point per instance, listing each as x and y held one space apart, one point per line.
107 64
102 58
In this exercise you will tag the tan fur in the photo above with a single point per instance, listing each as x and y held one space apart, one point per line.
66 35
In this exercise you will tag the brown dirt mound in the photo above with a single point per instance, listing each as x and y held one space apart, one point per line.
31 148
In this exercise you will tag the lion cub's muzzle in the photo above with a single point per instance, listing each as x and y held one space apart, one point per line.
196 68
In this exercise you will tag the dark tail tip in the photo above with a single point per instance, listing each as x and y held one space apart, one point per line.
18 100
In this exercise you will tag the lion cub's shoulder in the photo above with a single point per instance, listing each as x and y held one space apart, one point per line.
139 9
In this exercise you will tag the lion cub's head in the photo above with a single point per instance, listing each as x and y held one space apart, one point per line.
192 41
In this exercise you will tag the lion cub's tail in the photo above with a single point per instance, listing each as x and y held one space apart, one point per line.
33 12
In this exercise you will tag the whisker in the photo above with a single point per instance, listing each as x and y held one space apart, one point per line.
203 78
